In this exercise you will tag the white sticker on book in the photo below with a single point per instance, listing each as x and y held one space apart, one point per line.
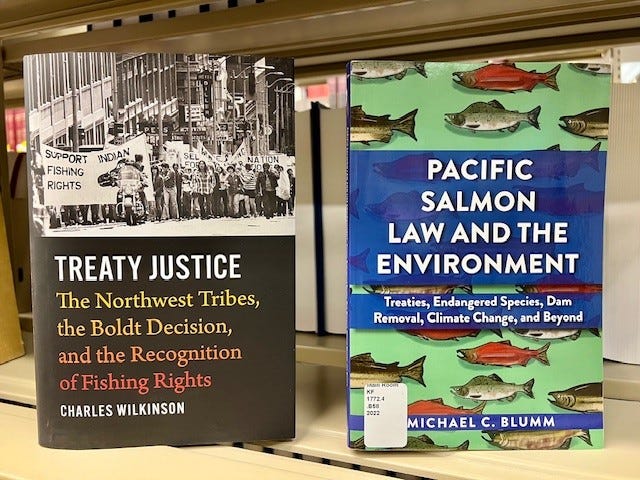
385 415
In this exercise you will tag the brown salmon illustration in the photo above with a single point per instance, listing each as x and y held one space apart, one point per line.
581 398
364 369
371 128
503 354
436 406
535 439
592 123
422 443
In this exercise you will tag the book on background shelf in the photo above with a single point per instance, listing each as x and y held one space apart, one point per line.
475 257
162 236
11 345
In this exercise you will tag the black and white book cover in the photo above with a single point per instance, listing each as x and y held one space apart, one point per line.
162 190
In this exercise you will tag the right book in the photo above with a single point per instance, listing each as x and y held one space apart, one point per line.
476 199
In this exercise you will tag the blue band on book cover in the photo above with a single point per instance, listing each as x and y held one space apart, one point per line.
475 203
162 235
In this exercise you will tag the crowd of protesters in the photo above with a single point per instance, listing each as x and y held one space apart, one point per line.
209 191
215 191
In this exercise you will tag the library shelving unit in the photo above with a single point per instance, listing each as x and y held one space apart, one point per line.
322 36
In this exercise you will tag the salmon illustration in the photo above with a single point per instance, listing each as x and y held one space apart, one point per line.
592 123
417 289
422 443
593 68
436 406
371 128
492 387
581 398
448 334
578 288
553 334
385 69
535 439
492 116
503 354
506 77
364 370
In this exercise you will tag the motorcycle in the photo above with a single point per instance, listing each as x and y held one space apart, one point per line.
129 206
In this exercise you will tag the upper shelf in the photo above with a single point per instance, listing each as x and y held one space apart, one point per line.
322 36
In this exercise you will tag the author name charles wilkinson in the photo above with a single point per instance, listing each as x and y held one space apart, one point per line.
142 409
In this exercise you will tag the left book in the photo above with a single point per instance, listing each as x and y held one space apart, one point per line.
162 236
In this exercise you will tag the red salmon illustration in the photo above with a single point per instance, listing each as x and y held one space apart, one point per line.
503 354
454 334
579 288
436 406
506 77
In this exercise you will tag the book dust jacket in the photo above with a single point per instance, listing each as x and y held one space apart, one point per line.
162 236
475 203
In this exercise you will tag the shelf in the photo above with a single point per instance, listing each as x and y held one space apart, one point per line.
326 350
22 458
321 427
17 378
320 434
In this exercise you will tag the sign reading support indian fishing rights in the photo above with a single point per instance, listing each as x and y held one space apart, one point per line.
79 178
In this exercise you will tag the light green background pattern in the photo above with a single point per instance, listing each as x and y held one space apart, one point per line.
572 362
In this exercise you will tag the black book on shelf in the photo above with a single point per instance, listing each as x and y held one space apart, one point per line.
162 241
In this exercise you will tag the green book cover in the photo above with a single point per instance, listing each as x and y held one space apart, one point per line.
476 199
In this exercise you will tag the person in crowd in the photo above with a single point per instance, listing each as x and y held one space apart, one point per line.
214 200
178 174
187 197
170 190
248 180
202 188
283 191
158 193
234 191
268 182
224 197
139 163
292 190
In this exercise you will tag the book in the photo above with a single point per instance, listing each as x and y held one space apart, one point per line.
475 200
621 298
11 344
162 242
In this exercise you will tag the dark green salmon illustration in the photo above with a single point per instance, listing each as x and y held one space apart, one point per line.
592 123
371 128
364 370
388 69
581 398
492 387
535 439
491 116
422 443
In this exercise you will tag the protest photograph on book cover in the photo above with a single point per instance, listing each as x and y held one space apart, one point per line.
126 144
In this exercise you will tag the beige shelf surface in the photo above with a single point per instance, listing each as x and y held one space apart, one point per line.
321 426
23 458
